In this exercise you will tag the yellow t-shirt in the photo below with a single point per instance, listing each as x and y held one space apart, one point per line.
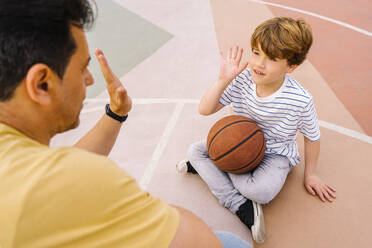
68 197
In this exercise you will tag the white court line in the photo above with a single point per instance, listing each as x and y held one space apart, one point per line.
346 131
333 127
149 171
315 15
146 100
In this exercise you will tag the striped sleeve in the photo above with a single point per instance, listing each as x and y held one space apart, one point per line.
227 96
308 123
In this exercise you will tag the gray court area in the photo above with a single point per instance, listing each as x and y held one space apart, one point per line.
125 38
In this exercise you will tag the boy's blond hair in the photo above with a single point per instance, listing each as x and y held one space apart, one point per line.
283 38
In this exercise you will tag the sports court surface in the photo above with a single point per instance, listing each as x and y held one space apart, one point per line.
166 53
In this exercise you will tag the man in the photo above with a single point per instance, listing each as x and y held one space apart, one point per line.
70 196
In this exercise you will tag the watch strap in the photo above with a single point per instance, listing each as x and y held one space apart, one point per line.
115 116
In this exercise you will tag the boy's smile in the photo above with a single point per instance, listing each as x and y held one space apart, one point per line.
259 73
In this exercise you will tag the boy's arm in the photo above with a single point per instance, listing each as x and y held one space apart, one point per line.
313 183
101 138
230 67
209 104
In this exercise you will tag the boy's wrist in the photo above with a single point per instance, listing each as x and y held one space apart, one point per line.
223 81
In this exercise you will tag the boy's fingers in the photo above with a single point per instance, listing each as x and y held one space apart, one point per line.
310 189
240 53
325 193
235 52
229 53
329 190
320 194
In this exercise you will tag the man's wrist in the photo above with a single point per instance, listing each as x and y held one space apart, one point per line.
113 115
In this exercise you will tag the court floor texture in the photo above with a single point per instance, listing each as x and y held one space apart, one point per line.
166 53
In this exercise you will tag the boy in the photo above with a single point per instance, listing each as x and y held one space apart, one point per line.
280 106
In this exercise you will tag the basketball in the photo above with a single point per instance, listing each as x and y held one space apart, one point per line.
236 144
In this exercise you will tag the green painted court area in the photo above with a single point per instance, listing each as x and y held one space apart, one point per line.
125 38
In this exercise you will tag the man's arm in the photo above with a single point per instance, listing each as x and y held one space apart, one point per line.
193 232
101 138
230 67
313 183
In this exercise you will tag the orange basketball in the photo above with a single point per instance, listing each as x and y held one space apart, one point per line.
236 144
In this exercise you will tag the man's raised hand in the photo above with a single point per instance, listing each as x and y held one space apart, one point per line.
120 102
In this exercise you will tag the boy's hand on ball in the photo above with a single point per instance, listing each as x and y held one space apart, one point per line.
230 66
316 186
120 102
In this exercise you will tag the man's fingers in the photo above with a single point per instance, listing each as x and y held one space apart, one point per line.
105 68
121 92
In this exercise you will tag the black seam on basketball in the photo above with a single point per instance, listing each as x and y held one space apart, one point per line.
232 123
232 149
263 144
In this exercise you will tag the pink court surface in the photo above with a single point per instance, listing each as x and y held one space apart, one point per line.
167 86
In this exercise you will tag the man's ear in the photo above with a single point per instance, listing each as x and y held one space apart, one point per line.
39 83
291 68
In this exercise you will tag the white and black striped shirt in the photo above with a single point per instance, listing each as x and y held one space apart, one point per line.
279 115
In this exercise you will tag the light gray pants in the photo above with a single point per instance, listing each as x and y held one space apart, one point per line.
232 190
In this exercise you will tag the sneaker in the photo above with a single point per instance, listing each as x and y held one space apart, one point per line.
258 228
184 166
250 213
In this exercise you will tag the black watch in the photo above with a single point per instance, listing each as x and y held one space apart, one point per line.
115 116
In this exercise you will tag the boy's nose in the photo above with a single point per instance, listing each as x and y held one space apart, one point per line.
261 62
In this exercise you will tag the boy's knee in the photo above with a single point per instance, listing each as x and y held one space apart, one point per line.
265 196
261 194
194 150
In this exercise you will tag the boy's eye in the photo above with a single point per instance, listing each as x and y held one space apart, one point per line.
273 59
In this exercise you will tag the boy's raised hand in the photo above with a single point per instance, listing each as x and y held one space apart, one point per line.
230 66
120 102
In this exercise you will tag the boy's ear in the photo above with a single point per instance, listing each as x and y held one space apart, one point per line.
39 83
291 68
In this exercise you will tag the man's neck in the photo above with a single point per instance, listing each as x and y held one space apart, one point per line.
24 123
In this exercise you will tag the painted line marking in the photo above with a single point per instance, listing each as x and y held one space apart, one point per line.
150 169
315 15
346 131
333 127
146 100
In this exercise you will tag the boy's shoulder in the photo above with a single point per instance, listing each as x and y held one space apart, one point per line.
293 89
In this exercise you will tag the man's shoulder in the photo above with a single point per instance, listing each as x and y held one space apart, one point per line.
76 158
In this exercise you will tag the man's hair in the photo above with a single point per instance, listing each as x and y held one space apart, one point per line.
38 31
283 38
